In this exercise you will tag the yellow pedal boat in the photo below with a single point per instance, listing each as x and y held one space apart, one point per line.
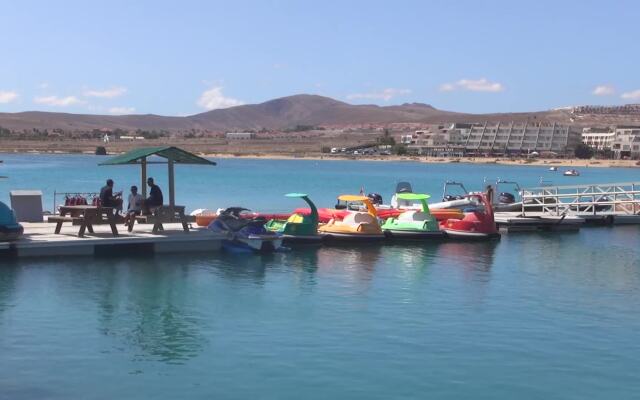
356 225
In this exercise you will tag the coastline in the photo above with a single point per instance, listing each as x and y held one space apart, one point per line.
441 160
567 163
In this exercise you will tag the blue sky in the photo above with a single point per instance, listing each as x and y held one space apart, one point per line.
181 58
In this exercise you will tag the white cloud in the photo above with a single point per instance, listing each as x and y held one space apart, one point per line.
7 96
603 90
386 94
447 87
473 85
57 101
213 99
122 110
633 95
106 93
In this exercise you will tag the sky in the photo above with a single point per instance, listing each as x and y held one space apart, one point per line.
186 57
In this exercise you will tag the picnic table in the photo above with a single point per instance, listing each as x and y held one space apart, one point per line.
165 215
85 217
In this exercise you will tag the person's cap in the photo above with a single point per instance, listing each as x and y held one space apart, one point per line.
109 182
134 188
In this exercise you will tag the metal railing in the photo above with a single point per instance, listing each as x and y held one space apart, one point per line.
594 199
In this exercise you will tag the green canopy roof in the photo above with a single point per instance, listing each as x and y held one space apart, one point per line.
178 156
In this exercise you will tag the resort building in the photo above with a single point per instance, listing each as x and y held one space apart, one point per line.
497 139
627 142
599 138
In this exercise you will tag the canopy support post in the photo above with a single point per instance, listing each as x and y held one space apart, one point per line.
143 164
172 198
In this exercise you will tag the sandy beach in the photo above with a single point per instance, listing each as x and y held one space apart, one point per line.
568 163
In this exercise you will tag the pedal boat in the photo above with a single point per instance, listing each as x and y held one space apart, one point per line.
477 224
413 224
356 225
298 228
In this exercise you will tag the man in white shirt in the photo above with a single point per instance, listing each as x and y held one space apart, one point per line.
134 208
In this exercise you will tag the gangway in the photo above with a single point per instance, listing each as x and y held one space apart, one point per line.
609 203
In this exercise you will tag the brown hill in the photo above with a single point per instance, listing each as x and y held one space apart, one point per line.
279 113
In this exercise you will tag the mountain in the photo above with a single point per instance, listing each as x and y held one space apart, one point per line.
282 113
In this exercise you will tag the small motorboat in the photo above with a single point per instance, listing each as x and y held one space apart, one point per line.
413 224
245 233
450 200
479 223
553 169
298 228
399 203
10 229
571 172
356 225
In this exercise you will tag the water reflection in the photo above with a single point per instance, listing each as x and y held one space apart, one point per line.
150 305
8 278
356 263
304 264
474 259
412 259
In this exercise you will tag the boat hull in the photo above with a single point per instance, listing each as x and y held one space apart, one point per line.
253 244
413 234
330 237
289 240
458 234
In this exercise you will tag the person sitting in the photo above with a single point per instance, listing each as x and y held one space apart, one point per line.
134 208
108 199
155 199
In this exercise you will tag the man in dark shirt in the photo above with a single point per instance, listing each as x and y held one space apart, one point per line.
107 199
155 199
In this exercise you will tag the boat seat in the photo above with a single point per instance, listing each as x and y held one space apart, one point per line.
359 218
413 216
295 219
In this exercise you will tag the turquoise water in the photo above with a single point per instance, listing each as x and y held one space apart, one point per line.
531 316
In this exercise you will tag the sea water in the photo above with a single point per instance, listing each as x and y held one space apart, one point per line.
530 316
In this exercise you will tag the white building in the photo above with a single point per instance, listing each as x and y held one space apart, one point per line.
599 138
240 135
497 139
627 142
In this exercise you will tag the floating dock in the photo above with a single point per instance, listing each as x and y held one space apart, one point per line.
39 240
515 222
556 208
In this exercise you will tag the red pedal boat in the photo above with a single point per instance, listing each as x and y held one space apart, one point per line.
478 224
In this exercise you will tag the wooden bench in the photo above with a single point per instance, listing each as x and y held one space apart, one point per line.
85 217
164 215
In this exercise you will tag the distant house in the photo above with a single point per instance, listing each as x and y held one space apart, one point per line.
240 135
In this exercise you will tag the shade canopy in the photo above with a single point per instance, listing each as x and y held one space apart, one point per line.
352 197
413 196
174 154
296 195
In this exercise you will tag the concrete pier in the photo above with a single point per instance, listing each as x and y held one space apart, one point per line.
39 240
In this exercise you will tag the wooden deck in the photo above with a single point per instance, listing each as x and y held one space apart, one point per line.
40 240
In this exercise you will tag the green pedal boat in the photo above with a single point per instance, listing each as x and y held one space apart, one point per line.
413 224
298 228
